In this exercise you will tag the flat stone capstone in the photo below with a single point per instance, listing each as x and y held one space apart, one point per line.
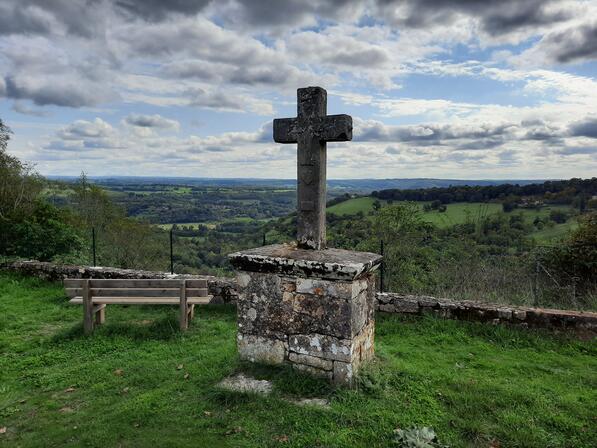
287 259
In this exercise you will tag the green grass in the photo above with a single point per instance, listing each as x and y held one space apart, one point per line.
557 232
461 212
476 385
353 206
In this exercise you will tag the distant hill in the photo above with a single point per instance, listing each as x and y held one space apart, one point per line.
348 185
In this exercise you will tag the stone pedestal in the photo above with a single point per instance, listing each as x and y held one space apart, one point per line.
311 309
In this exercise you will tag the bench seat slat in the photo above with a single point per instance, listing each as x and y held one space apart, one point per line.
138 292
142 300
135 283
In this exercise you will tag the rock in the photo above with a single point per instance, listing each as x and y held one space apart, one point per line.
245 384
321 403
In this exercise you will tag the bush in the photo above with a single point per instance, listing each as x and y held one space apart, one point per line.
558 216
43 234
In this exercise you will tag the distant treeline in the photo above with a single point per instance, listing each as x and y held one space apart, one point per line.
561 191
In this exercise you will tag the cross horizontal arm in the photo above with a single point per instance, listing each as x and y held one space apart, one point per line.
285 130
336 128
331 128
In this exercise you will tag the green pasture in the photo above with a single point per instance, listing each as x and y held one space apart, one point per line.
139 382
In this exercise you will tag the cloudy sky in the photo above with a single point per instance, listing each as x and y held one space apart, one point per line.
437 88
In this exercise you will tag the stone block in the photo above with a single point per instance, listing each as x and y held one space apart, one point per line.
504 313
261 349
313 371
322 346
313 361
519 314
343 373
427 301
404 305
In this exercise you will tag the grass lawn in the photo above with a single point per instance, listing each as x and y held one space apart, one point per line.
461 212
353 206
476 385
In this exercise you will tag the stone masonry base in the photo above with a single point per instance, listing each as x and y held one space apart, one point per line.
322 327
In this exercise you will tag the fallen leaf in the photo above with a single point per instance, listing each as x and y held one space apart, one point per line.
125 390
234 430
207 413
3 430
70 389
65 410
136 425
23 401
179 367
186 376
118 372
282 438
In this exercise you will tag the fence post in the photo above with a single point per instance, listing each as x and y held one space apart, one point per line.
264 242
93 244
381 268
171 252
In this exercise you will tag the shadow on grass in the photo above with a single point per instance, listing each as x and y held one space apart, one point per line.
163 329
286 381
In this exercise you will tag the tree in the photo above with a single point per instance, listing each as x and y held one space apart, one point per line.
4 135
405 236
576 257
20 185
29 226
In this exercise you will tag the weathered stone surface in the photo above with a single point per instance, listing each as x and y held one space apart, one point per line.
406 305
287 260
311 129
261 349
343 373
322 346
504 313
266 307
363 344
519 314
581 323
313 361
313 371
245 384
321 403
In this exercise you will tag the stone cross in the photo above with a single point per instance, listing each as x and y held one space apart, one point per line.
311 129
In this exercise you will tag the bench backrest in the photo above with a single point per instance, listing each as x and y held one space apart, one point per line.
147 288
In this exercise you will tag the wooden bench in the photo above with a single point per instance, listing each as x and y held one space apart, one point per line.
95 295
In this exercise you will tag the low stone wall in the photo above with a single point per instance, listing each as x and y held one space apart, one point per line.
583 324
222 289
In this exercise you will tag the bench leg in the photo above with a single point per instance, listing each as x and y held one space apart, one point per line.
184 308
100 315
88 323
184 317
191 312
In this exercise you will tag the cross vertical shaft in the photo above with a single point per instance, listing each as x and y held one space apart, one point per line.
311 130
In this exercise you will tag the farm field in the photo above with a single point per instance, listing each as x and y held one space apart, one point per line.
138 380
459 213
